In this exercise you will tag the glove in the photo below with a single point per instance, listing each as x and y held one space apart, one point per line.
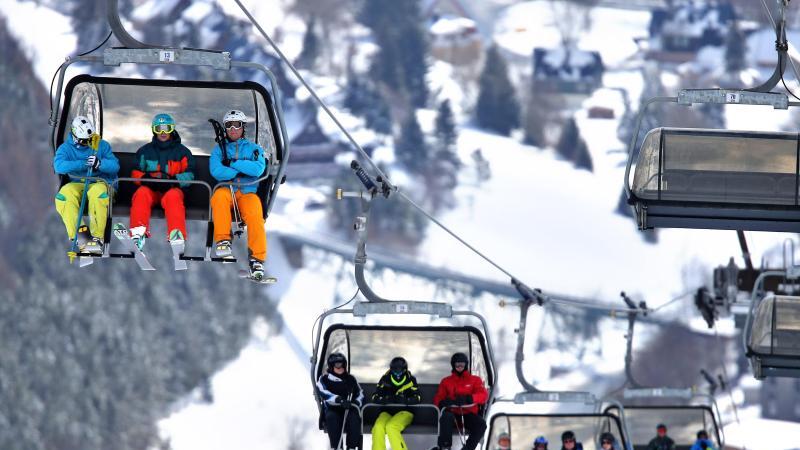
412 400
185 176
343 402
226 162
93 161
446 403
464 399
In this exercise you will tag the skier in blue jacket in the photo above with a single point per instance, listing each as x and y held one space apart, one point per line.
702 442
242 162
75 158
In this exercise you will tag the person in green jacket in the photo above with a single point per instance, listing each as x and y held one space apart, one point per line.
396 386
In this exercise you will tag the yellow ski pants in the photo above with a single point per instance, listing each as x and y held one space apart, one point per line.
391 426
68 201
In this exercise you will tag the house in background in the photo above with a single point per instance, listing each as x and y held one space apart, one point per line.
680 29
454 34
567 71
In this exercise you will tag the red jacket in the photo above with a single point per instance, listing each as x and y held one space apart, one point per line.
457 385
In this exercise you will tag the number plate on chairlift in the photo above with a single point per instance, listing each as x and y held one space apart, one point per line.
733 97
166 56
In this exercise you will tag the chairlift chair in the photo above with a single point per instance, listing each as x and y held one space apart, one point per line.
524 418
719 179
774 337
683 411
122 108
370 347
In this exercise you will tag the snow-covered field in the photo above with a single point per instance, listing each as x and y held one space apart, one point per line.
548 224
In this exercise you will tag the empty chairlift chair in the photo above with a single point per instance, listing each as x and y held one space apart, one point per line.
774 337
428 349
717 179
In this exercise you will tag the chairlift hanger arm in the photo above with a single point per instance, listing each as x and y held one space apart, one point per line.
114 21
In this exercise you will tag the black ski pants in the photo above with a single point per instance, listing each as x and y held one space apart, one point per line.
474 426
334 418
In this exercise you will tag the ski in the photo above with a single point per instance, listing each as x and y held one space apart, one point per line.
243 273
178 246
121 232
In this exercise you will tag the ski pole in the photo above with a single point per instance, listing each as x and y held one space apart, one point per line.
236 215
73 252
344 424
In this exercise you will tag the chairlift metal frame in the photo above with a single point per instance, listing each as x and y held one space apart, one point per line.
136 52
377 305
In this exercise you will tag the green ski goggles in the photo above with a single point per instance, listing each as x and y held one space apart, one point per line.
163 129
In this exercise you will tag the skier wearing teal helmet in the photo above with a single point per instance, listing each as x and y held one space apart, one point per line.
163 158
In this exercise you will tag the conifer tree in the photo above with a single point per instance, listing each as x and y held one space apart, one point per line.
572 147
311 46
497 108
445 126
734 50
411 150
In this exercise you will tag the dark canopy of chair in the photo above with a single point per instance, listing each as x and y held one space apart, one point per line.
122 110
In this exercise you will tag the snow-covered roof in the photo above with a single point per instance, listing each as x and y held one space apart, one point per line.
567 64
430 7
691 18
450 25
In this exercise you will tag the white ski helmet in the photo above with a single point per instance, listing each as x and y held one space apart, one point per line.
233 116
82 127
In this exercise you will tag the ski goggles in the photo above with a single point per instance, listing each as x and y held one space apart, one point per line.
84 142
236 125
163 129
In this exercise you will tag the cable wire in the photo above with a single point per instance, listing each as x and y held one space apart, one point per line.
680 297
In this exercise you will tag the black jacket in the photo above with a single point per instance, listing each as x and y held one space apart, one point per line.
331 386
389 391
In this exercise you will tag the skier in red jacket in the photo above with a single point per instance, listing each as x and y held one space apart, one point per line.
459 396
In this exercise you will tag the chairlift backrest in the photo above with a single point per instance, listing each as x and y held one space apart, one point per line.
524 428
774 337
122 110
369 348
683 423
707 165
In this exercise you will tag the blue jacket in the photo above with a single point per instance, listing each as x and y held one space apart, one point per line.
247 163
71 158
698 444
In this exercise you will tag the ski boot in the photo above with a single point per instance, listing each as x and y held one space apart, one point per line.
138 236
83 238
94 246
256 269
223 249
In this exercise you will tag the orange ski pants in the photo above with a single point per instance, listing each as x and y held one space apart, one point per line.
251 213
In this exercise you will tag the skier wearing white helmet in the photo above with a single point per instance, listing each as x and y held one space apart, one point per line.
77 159
242 161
